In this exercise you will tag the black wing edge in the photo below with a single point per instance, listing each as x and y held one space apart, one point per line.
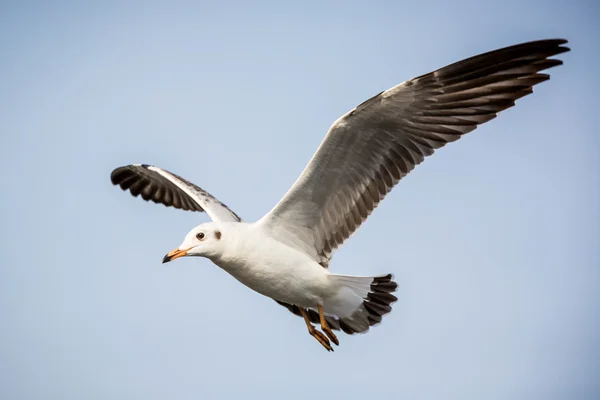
151 185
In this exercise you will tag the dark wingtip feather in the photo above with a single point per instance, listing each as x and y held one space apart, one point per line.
126 178
118 174
138 179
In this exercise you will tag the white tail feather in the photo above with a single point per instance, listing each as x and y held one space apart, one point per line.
360 301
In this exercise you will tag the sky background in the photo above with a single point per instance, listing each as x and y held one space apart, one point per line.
493 241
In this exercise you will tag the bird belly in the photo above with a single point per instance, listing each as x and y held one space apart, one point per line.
295 280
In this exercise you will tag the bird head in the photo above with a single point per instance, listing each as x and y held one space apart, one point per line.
202 241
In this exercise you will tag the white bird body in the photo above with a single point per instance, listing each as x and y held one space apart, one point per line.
272 268
276 270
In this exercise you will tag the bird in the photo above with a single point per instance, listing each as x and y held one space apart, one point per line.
285 255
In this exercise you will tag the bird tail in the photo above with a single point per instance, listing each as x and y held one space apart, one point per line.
361 302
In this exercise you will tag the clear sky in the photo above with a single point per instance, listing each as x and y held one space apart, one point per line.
493 240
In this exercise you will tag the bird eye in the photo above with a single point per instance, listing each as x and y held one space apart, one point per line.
200 236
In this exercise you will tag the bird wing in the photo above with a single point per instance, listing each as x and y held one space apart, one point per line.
369 149
164 187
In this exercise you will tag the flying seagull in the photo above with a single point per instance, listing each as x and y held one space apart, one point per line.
285 255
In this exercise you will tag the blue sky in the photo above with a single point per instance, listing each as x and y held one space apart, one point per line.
493 241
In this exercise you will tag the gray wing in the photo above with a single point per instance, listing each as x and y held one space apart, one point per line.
369 149
164 187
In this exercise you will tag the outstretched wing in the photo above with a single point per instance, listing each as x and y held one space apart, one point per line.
164 187
369 149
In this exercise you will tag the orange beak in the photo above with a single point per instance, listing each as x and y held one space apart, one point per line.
174 254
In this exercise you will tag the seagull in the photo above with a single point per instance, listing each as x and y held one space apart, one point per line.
286 254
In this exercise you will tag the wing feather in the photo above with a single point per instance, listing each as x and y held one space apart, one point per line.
163 187
369 149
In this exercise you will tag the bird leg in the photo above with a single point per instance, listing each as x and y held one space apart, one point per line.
314 332
325 327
